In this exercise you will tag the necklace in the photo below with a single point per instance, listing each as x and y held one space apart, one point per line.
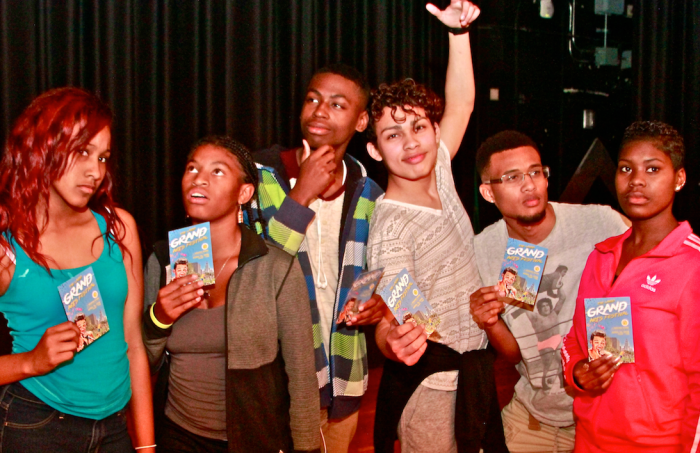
206 292
224 266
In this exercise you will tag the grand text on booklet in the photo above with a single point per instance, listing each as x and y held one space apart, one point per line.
521 271
408 304
190 253
609 328
82 302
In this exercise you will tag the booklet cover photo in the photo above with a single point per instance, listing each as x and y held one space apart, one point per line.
609 328
360 292
82 302
190 253
407 304
521 271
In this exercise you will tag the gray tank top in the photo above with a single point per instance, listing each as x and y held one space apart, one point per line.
197 393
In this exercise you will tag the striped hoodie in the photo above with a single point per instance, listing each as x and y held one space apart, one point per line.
342 376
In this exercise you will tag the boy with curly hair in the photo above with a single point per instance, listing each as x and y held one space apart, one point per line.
421 225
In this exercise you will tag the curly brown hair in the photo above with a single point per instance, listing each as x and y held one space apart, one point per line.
404 94
664 137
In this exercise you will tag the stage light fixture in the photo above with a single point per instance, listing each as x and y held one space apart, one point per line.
546 9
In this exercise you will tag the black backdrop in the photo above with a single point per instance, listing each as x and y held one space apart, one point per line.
174 71
667 83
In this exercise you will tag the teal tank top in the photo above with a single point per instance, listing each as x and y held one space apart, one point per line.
96 382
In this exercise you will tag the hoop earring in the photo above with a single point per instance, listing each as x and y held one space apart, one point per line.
240 214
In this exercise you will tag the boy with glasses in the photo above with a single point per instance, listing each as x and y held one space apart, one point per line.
540 415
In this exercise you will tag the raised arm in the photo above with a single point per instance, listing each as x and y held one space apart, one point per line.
459 82
141 404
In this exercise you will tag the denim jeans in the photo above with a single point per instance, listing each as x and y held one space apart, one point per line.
173 438
28 425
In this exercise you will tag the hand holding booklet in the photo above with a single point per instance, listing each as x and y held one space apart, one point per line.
361 291
609 328
521 271
408 304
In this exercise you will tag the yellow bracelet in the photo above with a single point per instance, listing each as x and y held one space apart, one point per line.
155 320
146 446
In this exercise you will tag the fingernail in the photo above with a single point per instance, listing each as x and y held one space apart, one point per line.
200 291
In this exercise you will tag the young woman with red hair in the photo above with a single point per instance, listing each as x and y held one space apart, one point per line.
57 218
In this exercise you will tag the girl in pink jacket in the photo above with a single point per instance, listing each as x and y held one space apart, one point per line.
651 405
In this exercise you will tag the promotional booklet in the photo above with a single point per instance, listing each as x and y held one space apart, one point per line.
521 271
360 292
609 328
190 253
407 304
82 302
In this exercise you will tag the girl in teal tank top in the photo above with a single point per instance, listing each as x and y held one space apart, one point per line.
57 218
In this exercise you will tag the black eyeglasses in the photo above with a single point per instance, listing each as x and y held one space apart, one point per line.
517 178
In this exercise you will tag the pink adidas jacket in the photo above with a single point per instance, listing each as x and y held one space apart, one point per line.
653 404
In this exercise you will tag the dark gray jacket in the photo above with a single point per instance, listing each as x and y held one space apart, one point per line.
272 395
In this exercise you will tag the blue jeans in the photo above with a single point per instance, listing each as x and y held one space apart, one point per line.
28 425
173 438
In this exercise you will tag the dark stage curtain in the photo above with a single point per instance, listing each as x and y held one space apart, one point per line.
174 71
667 70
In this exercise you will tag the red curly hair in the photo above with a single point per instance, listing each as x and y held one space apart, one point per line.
404 94
55 126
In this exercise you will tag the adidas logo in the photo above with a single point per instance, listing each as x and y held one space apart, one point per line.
651 282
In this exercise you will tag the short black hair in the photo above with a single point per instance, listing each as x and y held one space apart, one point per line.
663 136
500 142
350 73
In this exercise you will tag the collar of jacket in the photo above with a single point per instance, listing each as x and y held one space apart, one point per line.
667 247
252 245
